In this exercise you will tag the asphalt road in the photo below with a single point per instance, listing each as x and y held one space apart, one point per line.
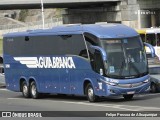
12 101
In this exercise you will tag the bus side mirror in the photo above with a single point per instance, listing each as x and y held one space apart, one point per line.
102 51
151 48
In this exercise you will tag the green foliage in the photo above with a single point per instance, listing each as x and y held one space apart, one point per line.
22 15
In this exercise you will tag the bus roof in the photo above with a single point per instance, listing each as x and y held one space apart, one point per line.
99 30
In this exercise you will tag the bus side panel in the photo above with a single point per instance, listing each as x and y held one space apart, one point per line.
77 75
48 80
64 81
95 79
12 75
80 76
77 78
82 73
11 81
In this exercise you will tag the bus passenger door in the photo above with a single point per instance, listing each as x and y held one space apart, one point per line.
64 81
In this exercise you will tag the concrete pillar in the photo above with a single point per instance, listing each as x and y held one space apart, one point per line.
108 13
139 19
153 20
129 13
145 19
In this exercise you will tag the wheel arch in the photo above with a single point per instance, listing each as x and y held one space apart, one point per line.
31 79
155 85
85 83
21 80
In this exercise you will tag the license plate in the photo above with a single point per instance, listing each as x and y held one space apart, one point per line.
131 92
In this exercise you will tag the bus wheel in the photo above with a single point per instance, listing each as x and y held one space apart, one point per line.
25 90
153 88
33 89
128 97
90 93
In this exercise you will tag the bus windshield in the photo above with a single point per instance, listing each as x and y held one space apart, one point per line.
125 58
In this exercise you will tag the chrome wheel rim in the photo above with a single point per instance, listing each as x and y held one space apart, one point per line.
90 93
25 90
34 90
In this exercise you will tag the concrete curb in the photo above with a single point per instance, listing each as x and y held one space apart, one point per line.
2 85
2 81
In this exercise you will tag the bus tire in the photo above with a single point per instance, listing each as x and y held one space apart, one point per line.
90 93
153 88
33 88
128 97
25 90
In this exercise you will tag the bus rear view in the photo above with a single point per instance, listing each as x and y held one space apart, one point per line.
96 60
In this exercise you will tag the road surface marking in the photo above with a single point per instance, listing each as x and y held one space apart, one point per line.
115 106
86 104
17 99
123 107
144 95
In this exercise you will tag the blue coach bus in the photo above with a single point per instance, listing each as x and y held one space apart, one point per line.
96 60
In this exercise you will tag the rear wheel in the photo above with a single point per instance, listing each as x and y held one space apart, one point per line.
25 90
90 93
33 88
128 97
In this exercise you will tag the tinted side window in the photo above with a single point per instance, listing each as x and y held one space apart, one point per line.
77 45
12 46
91 40
44 45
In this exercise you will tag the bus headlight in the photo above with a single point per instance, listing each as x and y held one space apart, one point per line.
112 84
146 81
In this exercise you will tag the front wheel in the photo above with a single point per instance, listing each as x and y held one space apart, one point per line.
33 88
90 93
128 97
153 88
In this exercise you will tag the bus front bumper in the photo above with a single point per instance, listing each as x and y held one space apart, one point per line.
115 90
109 90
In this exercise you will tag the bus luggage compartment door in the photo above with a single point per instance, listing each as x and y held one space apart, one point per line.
64 81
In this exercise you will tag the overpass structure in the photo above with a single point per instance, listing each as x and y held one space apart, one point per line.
32 4
82 11
90 11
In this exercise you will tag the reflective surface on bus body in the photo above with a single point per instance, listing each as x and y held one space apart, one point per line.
125 58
